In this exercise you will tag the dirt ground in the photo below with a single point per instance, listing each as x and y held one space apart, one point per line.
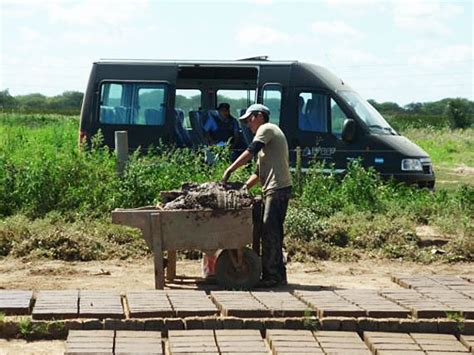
138 274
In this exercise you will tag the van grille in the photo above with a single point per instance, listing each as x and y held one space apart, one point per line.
427 169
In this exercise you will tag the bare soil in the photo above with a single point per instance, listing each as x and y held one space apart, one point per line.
15 347
138 274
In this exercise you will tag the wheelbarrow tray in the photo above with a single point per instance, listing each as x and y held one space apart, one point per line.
190 229
172 230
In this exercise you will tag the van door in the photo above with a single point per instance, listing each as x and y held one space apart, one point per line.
311 128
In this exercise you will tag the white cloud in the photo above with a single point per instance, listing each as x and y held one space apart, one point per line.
261 35
91 12
424 16
443 56
28 34
336 29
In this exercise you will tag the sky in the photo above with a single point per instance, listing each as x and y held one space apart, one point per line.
399 51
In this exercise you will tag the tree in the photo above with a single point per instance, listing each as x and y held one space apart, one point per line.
460 113
6 100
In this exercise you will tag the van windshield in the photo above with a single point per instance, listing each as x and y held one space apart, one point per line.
367 113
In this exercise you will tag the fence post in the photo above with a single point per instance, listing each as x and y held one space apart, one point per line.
121 150
298 169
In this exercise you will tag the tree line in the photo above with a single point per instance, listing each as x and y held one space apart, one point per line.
452 112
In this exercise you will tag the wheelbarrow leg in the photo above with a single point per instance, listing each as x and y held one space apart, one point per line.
171 267
157 250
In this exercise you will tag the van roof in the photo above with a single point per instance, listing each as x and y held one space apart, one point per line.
243 62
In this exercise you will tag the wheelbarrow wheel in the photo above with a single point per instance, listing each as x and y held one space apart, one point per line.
244 276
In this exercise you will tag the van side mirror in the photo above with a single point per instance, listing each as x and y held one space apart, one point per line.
348 130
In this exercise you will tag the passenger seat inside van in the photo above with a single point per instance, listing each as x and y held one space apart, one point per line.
182 135
196 124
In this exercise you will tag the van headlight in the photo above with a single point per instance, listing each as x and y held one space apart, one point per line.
411 165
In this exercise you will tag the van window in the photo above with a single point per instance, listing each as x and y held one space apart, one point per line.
187 100
132 104
238 100
313 112
272 99
337 118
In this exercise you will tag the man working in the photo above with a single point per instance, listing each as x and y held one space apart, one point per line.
273 172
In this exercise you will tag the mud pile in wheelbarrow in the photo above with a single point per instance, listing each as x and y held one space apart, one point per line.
213 195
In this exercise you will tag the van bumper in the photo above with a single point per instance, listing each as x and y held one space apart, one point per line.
422 180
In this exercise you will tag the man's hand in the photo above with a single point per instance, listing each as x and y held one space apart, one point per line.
226 175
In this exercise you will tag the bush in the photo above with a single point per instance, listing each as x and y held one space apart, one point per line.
460 113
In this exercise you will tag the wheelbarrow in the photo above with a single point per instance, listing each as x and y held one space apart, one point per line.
227 230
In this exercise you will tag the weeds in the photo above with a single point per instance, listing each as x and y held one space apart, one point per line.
54 198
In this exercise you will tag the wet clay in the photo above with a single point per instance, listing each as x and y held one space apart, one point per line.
213 195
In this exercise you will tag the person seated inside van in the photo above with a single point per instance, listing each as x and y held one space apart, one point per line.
221 127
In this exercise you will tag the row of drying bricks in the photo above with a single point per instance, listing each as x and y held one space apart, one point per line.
276 341
399 303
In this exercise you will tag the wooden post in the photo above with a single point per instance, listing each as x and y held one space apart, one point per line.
171 268
155 220
121 150
298 170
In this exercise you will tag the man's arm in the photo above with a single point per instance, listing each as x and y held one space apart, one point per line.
243 159
252 181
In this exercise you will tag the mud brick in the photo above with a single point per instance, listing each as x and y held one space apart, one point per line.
73 325
232 323
240 341
443 347
93 324
349 324
56 304
448 326
15 302
427 326
254 323
299 323
468 341
174 324
407 325
191 303
149 304
193 323
100 304
115 324
239 304
9 329
468 327
135 324
389 325
367 324
157 324
330 323
400 352
211 323
192 341
148 342
274 323
98 341
374 304
328 303
283 304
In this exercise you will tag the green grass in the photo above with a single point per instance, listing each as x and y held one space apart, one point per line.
55 199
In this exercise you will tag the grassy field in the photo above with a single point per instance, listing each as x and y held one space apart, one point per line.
452 153
55 200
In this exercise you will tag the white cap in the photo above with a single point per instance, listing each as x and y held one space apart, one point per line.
254 108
